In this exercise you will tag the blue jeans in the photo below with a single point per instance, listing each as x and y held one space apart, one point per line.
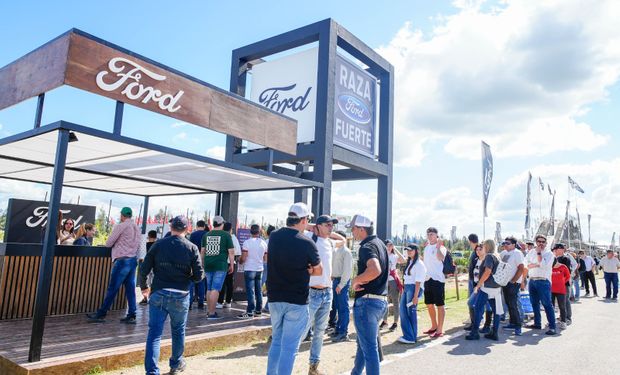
540 292
161 304
319 304
409 314
611 281
577 289
367 313
215 280
200 287
339 315
288 325
123 273
253 291
481 303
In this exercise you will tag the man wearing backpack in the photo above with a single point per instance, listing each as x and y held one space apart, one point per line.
511 291
435 285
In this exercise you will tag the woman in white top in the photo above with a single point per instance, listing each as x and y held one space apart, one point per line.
414 276
66 236
487 291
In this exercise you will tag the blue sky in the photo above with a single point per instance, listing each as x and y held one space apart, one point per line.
537 81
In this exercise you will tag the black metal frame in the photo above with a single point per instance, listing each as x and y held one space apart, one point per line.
49 242
322 152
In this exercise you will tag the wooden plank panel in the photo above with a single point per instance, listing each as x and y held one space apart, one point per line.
134 81
39 71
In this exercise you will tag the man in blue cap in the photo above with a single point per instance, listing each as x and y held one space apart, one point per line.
176 266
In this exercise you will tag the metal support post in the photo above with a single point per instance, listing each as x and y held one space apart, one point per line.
145 214
48 247
39 114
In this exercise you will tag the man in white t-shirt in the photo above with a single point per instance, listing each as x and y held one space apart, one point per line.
610 265
435 285
320 298
253 254
511 291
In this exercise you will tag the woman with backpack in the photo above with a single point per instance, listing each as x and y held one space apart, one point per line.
487 290
414 276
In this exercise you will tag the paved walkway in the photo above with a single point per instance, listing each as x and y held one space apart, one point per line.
589 345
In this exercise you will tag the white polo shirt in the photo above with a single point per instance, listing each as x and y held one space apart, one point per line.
514 258
256 248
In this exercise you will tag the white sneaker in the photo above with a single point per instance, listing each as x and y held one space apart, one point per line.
218 306
562 325
405 341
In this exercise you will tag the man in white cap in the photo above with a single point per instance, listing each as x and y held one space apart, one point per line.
370 286
293 258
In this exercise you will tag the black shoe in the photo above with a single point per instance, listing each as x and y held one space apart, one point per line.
550 332
393 327
341 338
129 319
258 313
533 326
468 328
201 306
144 301
308 338
94 318
472 336
492 336
383 325
178 369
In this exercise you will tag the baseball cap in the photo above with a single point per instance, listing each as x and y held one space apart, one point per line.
558 246
529 242
178 223
126 211
300 210
511 240
254 228
432 230
326 219
389 242
359 221
218 220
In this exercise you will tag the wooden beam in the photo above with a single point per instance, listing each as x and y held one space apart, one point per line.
87 63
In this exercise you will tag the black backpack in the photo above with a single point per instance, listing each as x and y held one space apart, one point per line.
449 268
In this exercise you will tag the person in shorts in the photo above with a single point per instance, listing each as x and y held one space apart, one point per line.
435 285
218 252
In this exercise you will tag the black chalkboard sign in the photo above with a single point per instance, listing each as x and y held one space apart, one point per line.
26 219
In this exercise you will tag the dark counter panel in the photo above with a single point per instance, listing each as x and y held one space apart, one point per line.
79 280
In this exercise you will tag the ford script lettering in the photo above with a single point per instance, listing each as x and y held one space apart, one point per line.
270 98
39 217
130 73
354 108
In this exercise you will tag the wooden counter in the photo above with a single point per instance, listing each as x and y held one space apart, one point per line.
79 280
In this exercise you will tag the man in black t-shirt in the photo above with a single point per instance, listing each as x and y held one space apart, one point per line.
370 286
293 258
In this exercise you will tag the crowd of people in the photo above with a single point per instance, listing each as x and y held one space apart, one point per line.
307 271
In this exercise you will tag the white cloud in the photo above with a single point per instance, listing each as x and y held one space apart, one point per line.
179 137
177 125
512 71
217 152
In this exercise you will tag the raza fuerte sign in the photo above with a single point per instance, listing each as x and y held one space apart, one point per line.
26 219
354 108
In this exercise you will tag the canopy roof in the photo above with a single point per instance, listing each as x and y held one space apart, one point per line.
104 161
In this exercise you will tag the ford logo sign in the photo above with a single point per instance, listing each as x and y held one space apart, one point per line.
354 108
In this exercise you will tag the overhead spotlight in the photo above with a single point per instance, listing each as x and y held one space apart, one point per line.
72 137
